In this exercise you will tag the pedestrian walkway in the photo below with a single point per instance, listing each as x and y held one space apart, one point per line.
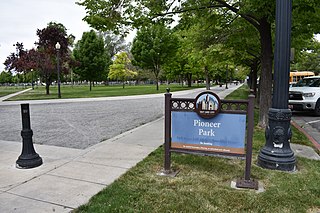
13 94
70 177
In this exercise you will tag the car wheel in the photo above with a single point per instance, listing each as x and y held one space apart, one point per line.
317 108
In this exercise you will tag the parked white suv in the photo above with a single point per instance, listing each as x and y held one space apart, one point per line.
305 95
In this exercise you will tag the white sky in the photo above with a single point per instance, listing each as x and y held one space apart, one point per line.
20 19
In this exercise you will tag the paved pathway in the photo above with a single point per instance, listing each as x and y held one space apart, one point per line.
13 94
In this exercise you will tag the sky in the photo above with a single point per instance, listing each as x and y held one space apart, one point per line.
20 19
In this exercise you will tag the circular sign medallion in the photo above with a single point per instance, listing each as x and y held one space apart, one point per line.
208 104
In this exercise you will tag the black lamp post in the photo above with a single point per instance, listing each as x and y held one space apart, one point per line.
32 85
28 158
58 68
277 154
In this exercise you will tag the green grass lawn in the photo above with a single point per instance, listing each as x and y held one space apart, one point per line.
9 90
203 184
68 91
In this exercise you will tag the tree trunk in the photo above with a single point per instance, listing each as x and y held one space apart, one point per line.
207 78
48 82
123 84
47 87
189 79
90 85
157 83
265 82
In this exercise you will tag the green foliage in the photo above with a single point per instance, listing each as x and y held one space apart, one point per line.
91 55
6 77
113 43
154 46
214 19
119 70
309 58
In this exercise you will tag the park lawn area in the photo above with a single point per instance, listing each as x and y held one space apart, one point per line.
9 90
68 91
203 184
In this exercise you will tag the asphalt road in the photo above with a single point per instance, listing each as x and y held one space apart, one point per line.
83 123
79 124
308 118
309 122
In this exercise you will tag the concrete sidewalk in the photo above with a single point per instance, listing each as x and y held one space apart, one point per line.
70 177
13 94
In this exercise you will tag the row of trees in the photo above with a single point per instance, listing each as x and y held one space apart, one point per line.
212 40
215 34
156 51
89 60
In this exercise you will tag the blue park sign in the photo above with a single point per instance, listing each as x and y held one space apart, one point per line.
224 133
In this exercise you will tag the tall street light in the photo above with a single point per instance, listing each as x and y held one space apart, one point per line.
277 154
32 79
58 68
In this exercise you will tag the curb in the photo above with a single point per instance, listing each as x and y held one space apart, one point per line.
314 142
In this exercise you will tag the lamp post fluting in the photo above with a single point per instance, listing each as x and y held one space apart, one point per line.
277 154
58 67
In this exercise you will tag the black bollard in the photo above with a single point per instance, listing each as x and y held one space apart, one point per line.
28 158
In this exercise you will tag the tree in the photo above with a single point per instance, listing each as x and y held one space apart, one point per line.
91 54
6 77
182 65
152 47
19 61
308 59
113 43
45 56
22 62
121 15
120 69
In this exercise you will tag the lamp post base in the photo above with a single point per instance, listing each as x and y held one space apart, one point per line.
277 154
271 160
28 158
29 161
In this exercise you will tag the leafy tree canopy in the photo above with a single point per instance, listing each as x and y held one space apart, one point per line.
120 69
91 55
153 46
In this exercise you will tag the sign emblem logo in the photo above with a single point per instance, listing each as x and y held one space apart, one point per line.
208 104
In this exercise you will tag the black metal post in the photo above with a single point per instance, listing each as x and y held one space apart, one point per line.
247 182
28 158
167 138
249 137
32 85
277 154
58 68
167 132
